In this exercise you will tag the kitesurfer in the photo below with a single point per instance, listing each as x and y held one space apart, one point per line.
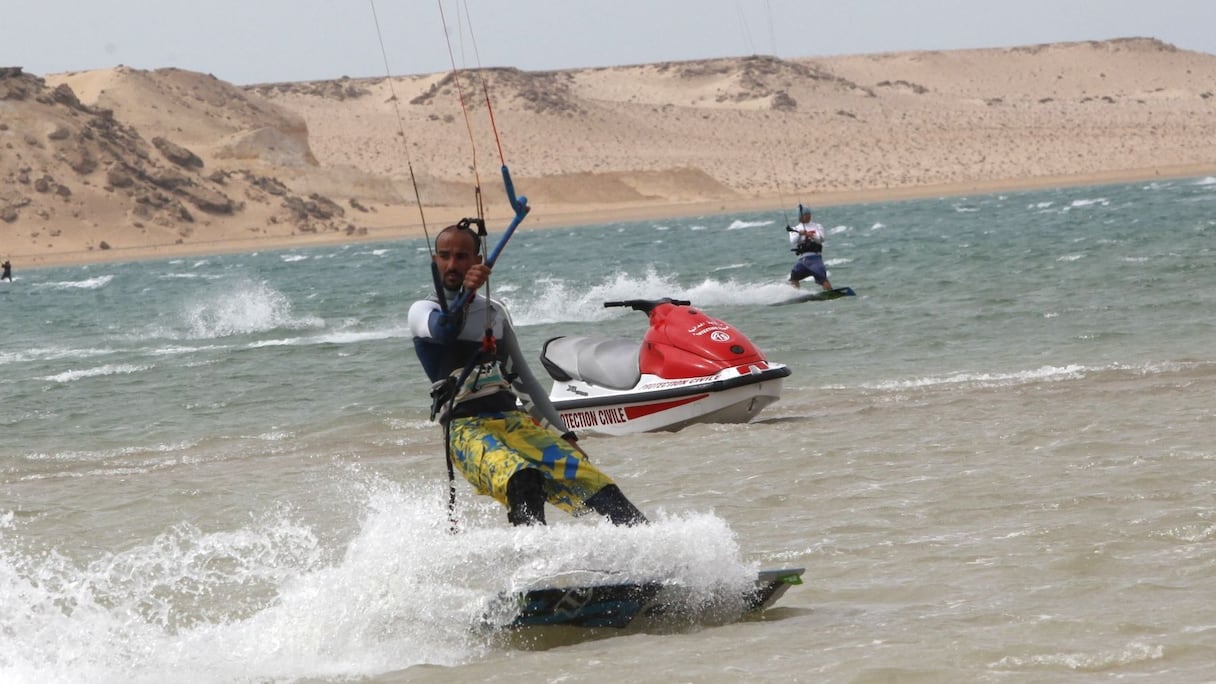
521 457
806 240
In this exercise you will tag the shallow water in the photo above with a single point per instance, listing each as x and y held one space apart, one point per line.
995 462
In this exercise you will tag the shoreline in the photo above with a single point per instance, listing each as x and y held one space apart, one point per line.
581 215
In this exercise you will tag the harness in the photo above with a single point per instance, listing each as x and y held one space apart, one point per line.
483 379
808 247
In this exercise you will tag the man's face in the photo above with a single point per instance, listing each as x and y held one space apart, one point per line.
454 254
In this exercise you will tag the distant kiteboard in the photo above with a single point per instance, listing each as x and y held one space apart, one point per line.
820 296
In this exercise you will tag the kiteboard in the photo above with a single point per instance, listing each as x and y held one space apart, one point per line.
820 296
617 605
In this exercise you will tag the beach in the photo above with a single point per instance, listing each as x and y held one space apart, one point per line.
119 164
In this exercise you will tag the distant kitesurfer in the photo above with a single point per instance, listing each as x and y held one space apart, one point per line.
806 240
521 457
7 272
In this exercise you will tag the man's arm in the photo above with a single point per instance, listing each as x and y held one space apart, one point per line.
426 326
529 389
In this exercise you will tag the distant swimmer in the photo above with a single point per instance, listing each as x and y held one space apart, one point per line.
806 240
7 273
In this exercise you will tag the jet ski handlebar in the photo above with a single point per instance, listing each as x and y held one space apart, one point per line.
646 305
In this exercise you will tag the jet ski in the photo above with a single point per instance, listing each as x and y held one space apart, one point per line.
688 368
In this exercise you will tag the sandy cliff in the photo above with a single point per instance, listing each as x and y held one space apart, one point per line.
121 163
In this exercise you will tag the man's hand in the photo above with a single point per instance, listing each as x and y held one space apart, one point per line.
476 276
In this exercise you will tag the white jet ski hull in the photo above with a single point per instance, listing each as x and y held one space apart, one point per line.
664 404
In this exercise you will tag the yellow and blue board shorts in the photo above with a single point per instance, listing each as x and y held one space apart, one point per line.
489 448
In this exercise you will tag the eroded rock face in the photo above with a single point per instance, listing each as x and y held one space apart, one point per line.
60 155
177 154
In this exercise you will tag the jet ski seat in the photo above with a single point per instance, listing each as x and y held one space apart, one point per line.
610 362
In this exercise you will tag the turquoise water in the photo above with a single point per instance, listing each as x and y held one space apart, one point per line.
223 463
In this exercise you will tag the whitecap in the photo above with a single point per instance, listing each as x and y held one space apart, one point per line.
740 225
94 283
108 369
245 307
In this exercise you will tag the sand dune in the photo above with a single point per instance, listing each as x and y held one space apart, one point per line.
121 163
